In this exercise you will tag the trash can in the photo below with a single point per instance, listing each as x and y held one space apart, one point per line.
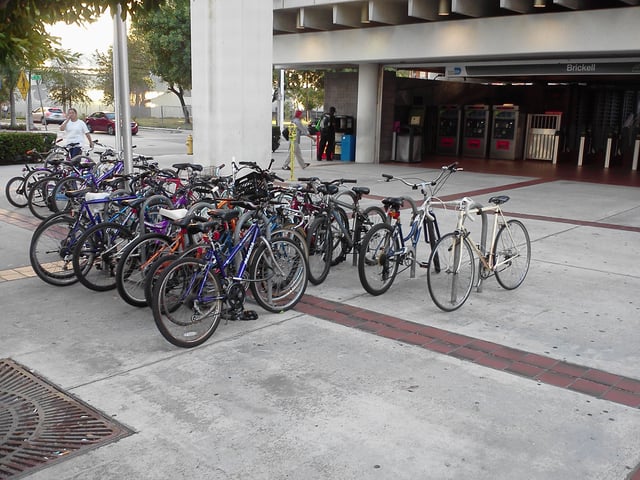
348 148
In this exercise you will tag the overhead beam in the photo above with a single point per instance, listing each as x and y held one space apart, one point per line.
315 18
520 6
391 13
475 8
284 21
347 15
425 9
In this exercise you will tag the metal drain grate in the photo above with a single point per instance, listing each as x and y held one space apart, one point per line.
40 425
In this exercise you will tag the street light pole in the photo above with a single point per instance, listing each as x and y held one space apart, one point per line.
121 89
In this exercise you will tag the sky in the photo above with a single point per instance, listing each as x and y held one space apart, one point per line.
85 39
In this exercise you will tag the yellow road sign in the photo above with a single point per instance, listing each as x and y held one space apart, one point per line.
23 84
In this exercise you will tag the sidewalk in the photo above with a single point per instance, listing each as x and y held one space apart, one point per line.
537 383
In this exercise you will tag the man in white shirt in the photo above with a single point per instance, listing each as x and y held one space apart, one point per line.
75 130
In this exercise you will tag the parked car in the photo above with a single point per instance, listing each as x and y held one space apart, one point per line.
106 122
46 115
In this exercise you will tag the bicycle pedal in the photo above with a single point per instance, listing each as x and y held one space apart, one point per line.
423 264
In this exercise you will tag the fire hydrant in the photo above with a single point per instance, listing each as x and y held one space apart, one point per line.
189 144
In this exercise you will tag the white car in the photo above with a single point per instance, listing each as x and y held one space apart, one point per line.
50 115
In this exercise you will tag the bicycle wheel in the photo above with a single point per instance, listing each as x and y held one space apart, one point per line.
319 249
294 234
378 260
51 249
187 303
153 273
512 254
278 273
450 286
38 198
15 192
134 265
96 255
341 246
157 267
59 202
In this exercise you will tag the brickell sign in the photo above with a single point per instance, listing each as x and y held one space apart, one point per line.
581 68
602 68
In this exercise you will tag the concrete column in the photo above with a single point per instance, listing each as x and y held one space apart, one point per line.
231 58
367 118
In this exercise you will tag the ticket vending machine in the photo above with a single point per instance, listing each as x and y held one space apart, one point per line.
409 137
475 130
505 134
448 136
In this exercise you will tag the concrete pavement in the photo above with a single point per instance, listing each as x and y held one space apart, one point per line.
537 383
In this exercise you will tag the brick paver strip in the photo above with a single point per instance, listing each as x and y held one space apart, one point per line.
540 368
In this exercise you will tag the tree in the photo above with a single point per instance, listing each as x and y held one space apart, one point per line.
305 87
66 82
139 71
167 31
24 39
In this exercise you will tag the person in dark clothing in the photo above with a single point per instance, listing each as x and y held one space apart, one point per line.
327 135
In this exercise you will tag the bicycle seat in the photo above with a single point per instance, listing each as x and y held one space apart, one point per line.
361 190
393 202
499 199
225 214
182 166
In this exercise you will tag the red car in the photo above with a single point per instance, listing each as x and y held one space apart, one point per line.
106 122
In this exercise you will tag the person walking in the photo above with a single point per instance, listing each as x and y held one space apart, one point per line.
327 135
75 131
300 131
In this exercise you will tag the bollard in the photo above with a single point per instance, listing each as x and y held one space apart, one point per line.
293 133
583 137
607 157
189 144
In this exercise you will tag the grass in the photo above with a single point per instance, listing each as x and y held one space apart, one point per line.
177 123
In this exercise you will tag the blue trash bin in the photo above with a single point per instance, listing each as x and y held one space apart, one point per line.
348 148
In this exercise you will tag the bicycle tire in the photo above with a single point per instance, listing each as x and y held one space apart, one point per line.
278 288
38 198
59 202
341 247
15 191
157 267
182 315
134 265
319 249
377 261
294 234
512 246
33 177
450 286
51 250
97 252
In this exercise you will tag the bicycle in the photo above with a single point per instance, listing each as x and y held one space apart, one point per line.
331 231
507 257
54 240
385 247
192 295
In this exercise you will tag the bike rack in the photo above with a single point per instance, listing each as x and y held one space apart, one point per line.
483 239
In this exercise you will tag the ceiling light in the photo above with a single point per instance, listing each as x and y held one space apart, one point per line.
444 8
539 3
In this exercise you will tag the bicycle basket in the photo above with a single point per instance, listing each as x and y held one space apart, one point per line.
251 187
